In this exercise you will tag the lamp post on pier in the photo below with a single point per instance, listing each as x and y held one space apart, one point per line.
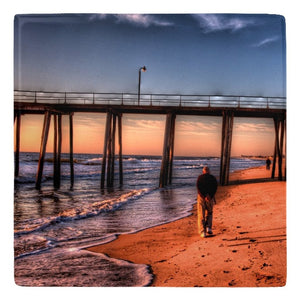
139 90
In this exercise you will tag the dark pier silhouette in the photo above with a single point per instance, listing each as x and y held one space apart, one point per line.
115 105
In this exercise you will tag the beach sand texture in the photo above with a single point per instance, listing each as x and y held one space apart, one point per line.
248 248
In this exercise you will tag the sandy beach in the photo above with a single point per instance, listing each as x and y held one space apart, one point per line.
248 248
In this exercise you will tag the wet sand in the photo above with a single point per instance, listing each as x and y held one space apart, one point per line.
248 248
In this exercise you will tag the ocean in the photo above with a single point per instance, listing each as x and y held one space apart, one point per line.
52 227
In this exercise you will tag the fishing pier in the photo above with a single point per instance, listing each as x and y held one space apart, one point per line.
115 105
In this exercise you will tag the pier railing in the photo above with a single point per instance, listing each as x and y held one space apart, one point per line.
173 100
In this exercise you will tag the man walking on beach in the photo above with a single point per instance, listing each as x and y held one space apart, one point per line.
207 186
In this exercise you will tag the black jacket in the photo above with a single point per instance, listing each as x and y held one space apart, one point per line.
207 184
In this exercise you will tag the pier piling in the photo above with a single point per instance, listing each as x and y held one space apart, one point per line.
109 154
44 139
57 150
120 149
279 125
54 149
107 132
167 157
227 126
112 175
71 149
17 151
108 158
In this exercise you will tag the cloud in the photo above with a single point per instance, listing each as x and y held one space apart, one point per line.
89 120
213 23
266 41
144 125
142 20
250 128
95 17
197 128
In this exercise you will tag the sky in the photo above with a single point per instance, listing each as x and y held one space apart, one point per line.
211 54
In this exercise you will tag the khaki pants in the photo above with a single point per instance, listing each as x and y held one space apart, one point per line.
205 213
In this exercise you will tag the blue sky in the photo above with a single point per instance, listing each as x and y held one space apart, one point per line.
217 54
240 54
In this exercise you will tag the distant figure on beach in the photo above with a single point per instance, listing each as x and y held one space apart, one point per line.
268 163
207 186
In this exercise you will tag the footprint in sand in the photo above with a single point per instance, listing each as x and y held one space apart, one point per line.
265 265
232 283
263 277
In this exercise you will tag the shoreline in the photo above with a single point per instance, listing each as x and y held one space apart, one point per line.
247 229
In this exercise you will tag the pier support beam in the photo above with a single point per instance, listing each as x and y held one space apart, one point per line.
54 149
57 150
120 149
108 159
113 148
44 140
280 126
17 150
71 149
111 151
167 157
106 137
227 127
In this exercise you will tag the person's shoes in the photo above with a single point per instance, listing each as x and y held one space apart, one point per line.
203 234
209 231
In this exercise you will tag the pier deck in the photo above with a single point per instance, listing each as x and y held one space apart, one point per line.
117 104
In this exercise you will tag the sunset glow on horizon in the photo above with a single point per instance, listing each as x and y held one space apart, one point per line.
144 135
